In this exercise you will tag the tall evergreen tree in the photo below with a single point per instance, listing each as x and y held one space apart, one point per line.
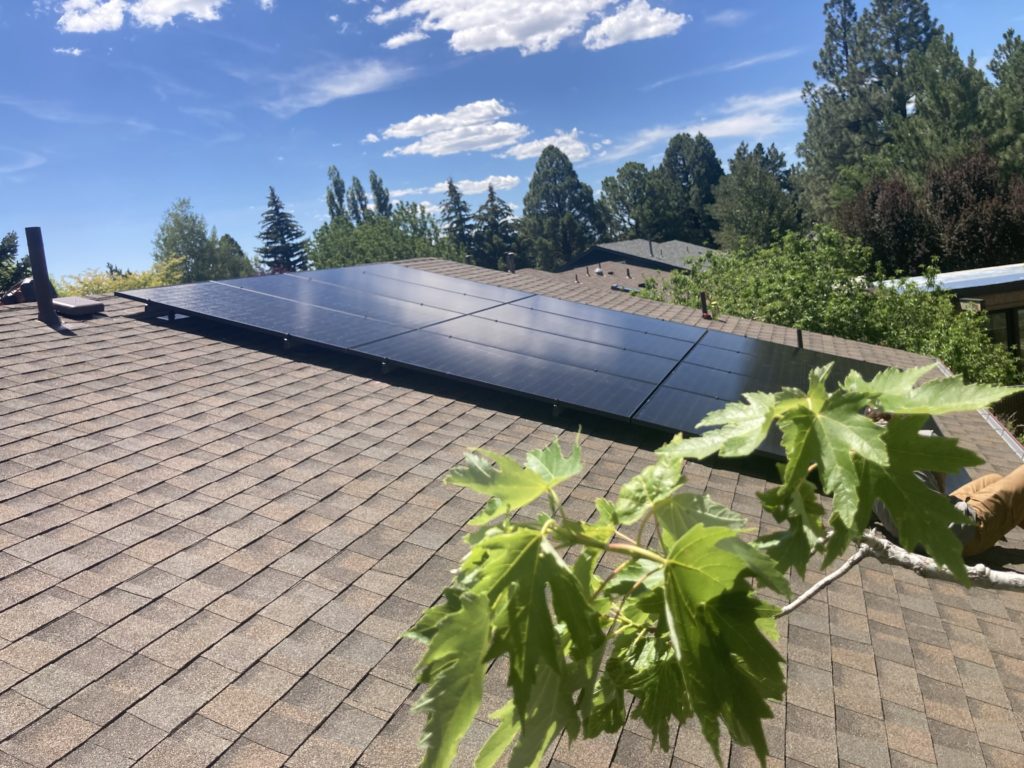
682 189
381 196
560 218
284 243
455 218
862 94
358 205
627 201
1004 104
335 194
754 200
494 233
230 259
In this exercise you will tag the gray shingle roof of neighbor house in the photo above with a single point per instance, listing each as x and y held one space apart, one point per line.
210 548
672 254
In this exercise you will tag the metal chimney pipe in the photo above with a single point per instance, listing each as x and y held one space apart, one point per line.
41 277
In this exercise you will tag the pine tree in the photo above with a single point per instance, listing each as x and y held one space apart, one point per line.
1004 104
230 259
284 244
754 200
626 199
381 196
335 194
456 219
862 95
358 205
494 233
682 188
560 218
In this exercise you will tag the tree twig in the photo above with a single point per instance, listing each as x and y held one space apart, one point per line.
837 574
979 574
879 547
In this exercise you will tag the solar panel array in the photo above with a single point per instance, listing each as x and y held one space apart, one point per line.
641 369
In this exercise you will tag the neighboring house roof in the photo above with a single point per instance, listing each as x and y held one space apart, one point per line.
673 254
965 280
210 549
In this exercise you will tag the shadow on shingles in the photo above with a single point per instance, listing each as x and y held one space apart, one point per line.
604 427
1001 557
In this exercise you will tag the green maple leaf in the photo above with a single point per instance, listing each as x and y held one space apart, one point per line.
715 630
894 392
742 427
922 515
656 482
510 485
453 670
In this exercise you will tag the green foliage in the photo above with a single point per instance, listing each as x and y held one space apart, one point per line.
381 196
754 201
284 246
628 201
683 189
12 269
560 218
1003 107
95 282
677 625
409 233
335 195
184 251
455 218
494 233
816 282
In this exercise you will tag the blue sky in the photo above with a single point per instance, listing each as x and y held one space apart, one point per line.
113 109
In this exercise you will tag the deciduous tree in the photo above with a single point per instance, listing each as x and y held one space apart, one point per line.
381 196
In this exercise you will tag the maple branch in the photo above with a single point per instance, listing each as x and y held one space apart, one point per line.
979 574
862 551
879 547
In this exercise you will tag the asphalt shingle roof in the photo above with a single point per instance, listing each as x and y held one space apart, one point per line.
210 548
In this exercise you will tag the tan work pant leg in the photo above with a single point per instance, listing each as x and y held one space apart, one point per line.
999 504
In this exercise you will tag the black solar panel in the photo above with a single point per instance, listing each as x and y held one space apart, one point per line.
648 371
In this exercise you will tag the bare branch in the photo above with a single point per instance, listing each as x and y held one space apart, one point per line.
837 574
980 575
879 547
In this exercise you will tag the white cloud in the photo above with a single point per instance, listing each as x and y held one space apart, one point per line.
570 143
156 13
786 53
473 127
729 17
91 15
729 66
334 18
69 51
751 117
636 21
532 26
371 138
466 186
267 5
398 41
17 160
317 86
479 187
